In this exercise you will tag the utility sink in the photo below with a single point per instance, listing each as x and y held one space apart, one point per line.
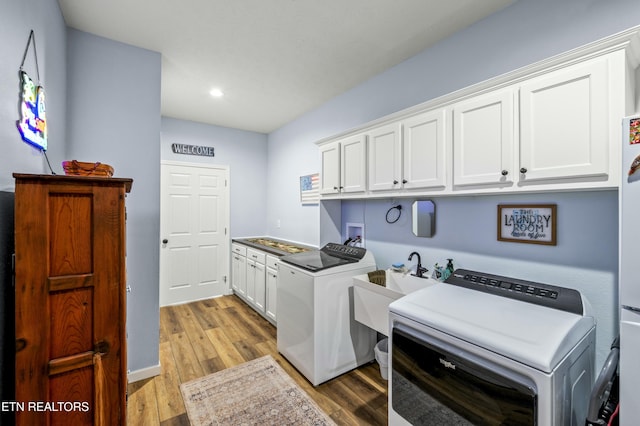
371 301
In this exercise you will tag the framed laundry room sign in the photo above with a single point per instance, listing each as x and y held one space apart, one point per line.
527 223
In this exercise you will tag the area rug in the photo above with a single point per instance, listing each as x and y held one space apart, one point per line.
258 392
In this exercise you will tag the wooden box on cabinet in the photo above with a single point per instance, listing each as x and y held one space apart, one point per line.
70 302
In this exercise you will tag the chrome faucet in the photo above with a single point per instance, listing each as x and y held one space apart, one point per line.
419 269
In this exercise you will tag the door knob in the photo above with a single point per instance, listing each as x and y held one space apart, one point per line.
165 241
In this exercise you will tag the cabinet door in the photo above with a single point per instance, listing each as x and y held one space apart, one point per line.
239 274
385 157
70 299
423 150
330 168
272 293
564 123
353 172
260 287
251 281
483 140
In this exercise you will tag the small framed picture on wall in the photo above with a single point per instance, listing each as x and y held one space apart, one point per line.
527 223
310 189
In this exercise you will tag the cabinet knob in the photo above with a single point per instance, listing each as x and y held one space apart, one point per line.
165 241
21 344
335 188
404 181
395 182
505 172
102 347
523 170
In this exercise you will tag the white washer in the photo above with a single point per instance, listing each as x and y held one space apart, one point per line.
486 349
317 332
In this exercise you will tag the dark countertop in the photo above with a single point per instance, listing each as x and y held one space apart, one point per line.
273 245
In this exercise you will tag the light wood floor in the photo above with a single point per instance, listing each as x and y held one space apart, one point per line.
203 337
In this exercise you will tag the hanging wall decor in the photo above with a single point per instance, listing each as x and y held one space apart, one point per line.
310 189
527 223
634 130
32 124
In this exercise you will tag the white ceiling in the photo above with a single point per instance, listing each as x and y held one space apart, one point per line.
274 59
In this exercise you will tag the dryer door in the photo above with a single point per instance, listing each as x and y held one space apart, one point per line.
434 383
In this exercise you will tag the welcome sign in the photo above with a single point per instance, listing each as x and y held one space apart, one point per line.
205 151
534 224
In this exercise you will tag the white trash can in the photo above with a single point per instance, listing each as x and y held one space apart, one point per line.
381 351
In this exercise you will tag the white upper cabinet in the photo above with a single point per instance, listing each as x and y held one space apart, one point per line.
564 123
385 157
424 153
483 140
552 126
353 167
330 166
409 154
343 166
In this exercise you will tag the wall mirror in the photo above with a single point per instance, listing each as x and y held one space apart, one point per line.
423 215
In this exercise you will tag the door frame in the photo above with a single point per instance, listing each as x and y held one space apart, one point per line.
227 242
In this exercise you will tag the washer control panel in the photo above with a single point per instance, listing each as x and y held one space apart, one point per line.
551 296
345 252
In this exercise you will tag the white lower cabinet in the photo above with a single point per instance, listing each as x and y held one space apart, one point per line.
272 288
256 278
256 284
254 275
239 269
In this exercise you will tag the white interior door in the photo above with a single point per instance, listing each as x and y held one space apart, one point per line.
194 245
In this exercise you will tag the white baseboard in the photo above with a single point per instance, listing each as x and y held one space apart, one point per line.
144 373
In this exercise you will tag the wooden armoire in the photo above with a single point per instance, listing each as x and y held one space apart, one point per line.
70 300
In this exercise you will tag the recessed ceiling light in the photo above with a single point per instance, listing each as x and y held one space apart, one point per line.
216 93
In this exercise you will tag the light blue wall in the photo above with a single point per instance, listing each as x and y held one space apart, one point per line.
585 257
103 104
17 19
526 32
114 117
245 153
